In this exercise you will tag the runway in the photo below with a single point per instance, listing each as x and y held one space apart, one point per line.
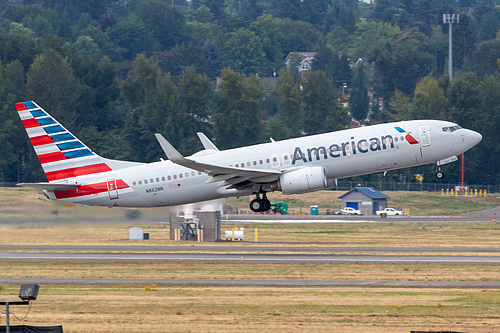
238 247
246 254
280 283
250 258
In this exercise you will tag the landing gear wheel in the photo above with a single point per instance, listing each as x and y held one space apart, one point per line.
256 205
260 205
266 205
439 174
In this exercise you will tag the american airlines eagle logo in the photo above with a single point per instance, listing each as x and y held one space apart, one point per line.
411 140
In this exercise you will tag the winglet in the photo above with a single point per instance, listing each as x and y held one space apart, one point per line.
170 151
207 144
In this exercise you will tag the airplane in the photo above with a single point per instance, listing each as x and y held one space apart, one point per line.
78 175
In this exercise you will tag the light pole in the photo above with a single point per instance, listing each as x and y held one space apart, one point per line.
450 19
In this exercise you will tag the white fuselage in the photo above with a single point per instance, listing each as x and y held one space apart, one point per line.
342 154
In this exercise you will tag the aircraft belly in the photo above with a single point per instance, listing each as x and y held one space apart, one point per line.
191 192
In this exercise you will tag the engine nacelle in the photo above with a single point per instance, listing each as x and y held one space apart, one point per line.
302 180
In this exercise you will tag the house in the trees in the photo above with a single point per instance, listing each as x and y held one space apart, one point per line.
300 60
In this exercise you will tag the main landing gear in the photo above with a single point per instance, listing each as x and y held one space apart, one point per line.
260 205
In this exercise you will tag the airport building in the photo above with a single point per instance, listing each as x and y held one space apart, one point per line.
367 199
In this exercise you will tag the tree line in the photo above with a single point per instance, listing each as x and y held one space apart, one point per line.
115 72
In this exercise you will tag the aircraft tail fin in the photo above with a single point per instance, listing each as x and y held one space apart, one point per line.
61 154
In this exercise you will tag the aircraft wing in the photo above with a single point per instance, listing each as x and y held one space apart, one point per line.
229 175
50 186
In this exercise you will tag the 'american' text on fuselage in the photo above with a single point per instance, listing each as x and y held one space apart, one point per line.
336 150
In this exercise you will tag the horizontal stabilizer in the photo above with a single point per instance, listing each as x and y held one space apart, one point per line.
50 186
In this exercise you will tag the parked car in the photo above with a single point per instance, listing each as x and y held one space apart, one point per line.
348 211
390 211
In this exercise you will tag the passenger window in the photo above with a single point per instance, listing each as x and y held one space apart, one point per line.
175 176
192 173
180 175
248 163
260 162
145 181
157 180
199 172
237 165
133 184
140 182
169 177
163 178
186 174
254 162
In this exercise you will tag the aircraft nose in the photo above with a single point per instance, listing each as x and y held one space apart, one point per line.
473 138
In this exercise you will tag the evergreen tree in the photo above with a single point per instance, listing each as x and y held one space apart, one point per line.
358 100
195 91
429 101
52 83
244 53
237 115
322 105
290 110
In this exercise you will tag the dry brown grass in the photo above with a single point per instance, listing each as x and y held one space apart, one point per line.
131 308
30 219
247 271
471 234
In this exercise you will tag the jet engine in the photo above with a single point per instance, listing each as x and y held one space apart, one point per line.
302 181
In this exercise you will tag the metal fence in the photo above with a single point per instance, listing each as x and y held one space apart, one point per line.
416 186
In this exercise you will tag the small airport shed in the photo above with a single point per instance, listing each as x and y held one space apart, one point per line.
367 199
189 228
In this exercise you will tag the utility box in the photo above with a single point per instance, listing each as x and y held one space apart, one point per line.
136 233
238 235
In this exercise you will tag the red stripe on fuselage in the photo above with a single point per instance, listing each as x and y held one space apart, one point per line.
41 140
51 157
89 190
31 122
79 171
21 107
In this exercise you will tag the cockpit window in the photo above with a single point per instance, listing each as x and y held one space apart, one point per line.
451 128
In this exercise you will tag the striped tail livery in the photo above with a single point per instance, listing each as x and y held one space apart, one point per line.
72 169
